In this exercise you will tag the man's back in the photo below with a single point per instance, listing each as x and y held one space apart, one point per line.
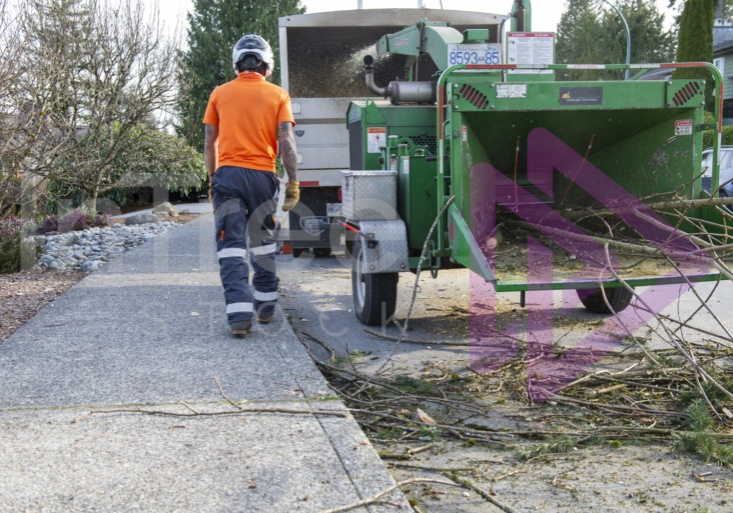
248 111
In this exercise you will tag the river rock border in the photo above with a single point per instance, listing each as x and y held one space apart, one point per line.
88 249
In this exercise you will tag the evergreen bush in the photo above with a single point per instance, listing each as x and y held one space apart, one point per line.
17 250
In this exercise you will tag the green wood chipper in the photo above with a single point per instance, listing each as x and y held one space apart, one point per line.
469 146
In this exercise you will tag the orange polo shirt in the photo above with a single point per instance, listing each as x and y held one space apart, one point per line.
247 111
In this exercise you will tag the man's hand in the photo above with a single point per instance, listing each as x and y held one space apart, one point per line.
292 195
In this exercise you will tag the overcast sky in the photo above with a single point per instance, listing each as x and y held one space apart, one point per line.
545 13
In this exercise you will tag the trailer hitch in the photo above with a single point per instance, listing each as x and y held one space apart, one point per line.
371 241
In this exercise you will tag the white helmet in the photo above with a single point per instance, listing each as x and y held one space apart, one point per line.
254 45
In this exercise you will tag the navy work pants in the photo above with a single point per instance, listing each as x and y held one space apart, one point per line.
244 203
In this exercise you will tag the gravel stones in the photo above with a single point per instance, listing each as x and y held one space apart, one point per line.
90 265
142 219
87 250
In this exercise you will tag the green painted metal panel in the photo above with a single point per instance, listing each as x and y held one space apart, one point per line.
464 249
417 205
641 148
436 41
562 96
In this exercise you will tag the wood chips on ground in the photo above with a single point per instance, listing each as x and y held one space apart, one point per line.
24 293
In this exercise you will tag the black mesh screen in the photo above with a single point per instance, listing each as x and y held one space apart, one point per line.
429 141
356 146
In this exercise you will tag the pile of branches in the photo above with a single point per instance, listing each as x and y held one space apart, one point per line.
640 404
680 394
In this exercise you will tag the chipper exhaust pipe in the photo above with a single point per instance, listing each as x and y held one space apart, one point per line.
405 92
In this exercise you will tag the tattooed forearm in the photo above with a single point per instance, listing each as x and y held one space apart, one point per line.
211 135
288 151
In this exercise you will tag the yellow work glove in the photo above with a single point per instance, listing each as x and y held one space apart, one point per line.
292 195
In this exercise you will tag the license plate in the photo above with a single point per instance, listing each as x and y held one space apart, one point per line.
474 54
334 209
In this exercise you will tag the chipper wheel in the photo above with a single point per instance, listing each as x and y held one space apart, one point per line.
375 295
618 297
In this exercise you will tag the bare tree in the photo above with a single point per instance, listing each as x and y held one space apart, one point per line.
97 80
11 48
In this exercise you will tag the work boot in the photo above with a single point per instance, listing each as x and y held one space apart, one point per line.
264 319
241 328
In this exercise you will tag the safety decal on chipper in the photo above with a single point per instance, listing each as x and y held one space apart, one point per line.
376 139
683 127
464 133
581 96
334 209
511 90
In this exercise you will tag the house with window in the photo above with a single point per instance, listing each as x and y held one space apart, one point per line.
723 60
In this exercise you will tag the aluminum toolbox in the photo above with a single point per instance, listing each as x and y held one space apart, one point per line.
369 195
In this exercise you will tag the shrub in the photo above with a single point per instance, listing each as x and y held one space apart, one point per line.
75 220
99 220
16 250
49 224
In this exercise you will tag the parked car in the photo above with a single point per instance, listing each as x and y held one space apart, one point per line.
726 170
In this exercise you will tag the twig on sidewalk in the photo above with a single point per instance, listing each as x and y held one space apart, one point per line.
322 344
187 406
330 413
375 498
224 395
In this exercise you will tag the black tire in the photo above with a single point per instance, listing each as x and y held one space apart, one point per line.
322 252
297 252
375 295
618 297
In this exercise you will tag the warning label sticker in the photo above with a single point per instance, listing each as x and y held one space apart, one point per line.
530 48
376 139
464 131
511 90
405 165
683 127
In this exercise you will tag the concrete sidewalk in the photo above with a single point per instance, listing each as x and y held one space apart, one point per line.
128 336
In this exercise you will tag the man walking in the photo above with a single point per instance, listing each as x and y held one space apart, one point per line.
247 117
